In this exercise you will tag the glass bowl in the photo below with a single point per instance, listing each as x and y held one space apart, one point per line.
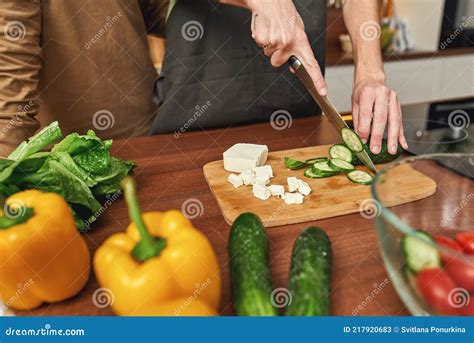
427 245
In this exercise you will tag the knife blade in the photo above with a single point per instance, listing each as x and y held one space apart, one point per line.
326 106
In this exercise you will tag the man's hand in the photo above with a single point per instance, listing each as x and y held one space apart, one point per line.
376 106
279 30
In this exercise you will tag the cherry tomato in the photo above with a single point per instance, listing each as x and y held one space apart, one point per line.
435 286
462 273
449 243
466 241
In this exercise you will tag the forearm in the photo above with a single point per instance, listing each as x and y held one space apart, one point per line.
362 21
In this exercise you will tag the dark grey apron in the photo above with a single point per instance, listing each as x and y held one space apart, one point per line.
214 74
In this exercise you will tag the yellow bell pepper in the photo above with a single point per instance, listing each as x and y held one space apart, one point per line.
42 256
161 265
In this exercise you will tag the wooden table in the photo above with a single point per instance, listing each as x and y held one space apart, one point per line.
170 172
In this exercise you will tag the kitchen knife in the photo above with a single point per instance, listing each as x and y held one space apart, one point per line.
326 106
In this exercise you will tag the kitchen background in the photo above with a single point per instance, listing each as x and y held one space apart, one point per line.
428 48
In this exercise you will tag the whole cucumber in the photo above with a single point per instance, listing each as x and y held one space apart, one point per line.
383 157
249 271
310 274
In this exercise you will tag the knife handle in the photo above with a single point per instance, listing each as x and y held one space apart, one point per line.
294 62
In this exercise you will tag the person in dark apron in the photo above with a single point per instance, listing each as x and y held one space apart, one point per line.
216 70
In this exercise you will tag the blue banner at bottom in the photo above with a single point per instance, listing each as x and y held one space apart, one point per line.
237 329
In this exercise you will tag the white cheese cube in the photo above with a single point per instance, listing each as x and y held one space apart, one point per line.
241 157
261 192
248 177
261 180
263 171
293 198
293 184
303 187
277 190
235 180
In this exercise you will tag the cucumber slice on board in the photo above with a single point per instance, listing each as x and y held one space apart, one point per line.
324 167
419 254
340 165
351 139
316 174
294 164
360 177
316 159
342 152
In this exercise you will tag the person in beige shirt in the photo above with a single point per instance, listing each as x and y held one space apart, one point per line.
84 63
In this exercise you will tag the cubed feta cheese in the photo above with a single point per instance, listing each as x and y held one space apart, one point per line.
242 157
293 184
277 190
261 180
303 187
235 180
261 192
248 177
293 198
263 171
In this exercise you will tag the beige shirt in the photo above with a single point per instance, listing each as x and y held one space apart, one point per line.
84 63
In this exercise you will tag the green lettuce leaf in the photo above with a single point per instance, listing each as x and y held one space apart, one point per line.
48 135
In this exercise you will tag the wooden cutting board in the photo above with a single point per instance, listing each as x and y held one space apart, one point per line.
331 197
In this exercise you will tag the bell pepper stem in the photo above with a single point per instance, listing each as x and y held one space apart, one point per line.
148 246
14 216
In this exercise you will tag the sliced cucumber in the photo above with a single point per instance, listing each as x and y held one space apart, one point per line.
420 252
340 165
351 139
360 177
342 152
324 167
294 164
316 174
316 159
